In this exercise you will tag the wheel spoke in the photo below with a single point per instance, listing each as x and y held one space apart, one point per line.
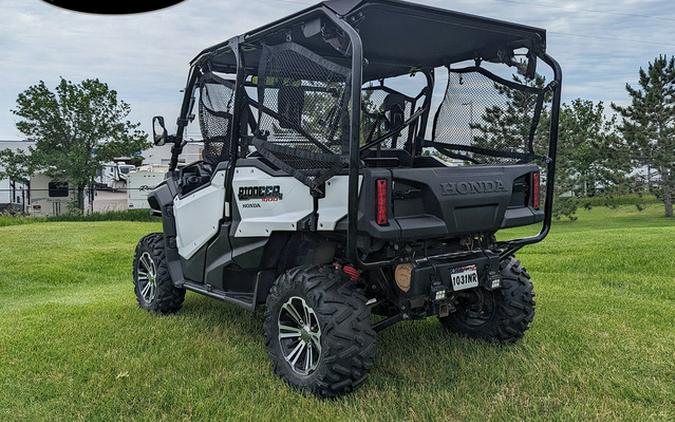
308 357
299 353
293 356
291 332
145 291
146 264
289 328
316 339
306 310
290 309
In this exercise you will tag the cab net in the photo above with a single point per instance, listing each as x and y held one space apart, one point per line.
303 113
484 119
216 102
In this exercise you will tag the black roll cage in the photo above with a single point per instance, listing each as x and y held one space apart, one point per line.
241 102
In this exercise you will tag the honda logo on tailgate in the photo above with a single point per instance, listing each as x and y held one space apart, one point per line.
468 188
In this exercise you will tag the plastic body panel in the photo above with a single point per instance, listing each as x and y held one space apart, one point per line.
198 215
333 207
442 202
267 203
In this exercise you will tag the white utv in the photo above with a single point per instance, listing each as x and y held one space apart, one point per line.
340 202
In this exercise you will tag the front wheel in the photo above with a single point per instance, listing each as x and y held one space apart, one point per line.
318 331
152 283
501 315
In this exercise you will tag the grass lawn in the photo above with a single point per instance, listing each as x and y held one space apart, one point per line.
74 345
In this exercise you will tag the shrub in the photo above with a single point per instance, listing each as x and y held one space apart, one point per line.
613 201
128 215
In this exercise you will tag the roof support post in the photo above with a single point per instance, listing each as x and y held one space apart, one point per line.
354 131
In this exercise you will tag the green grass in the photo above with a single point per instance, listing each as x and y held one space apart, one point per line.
74 345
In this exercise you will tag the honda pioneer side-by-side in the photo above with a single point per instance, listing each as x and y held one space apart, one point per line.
359 157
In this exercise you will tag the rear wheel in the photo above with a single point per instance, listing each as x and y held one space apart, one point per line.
318 331
501 315
152 283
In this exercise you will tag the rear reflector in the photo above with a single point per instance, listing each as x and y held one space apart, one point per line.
381 215
535 190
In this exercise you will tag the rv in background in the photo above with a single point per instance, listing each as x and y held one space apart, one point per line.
141 182
49 197
113 176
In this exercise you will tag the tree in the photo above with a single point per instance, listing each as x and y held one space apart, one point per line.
506 127
595 159
648 124
15 165
76 129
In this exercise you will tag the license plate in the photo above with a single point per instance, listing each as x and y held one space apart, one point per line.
464 277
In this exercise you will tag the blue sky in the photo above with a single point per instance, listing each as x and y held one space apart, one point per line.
600 44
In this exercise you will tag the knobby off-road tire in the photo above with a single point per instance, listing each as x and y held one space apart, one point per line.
337 310
154 288
501 315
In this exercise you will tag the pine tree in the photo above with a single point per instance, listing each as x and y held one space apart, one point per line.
506 127
591 149
648 124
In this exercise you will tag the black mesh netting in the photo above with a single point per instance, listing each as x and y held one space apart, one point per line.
215 115
384 111
484 119
303 112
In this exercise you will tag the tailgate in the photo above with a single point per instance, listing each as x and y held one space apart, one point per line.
454 201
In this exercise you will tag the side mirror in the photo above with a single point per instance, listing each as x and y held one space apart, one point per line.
159 133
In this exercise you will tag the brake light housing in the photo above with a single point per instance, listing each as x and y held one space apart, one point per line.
381 201
535 190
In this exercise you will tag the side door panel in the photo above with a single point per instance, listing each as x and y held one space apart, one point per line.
198 215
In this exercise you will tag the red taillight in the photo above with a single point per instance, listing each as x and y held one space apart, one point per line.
535 190
381 216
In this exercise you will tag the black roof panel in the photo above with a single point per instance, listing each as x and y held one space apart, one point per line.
399 35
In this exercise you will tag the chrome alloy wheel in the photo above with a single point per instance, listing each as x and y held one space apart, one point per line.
299 335
146 271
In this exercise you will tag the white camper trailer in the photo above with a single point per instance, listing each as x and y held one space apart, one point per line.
49 197
141 182
113 175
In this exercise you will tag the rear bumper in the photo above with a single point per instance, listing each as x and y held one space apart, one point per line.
434 272
514 217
